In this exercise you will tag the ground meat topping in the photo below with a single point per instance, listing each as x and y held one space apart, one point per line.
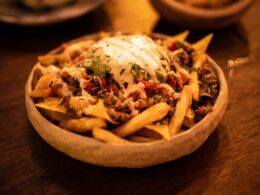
209 84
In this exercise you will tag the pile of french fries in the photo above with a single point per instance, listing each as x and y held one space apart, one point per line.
142 127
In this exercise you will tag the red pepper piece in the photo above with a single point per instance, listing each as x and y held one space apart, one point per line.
171 80
55 89
103 82
172 47
89 86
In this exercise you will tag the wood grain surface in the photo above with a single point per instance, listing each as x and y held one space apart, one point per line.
228 162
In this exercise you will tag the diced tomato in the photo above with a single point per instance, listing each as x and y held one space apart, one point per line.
163 91
171 80
149 85
184 78
172 47
112 88
103 82
134 95
55 89
149 92
80 58
85 76
89 86
150 88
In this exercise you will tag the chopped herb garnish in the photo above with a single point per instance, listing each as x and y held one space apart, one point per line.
157 97
136 92
122 71
147 76
138 72
98 67
127 110
135 69
190 69
159 76
179 45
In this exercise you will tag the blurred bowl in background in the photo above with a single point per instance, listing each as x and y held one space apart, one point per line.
198 18
15 12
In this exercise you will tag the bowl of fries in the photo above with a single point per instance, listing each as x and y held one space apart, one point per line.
202 14
132 101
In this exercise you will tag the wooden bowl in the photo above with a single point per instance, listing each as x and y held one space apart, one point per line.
133 155
200 18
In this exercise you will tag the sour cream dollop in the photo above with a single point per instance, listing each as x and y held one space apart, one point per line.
121 52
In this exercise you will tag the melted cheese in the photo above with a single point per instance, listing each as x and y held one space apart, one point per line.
76 73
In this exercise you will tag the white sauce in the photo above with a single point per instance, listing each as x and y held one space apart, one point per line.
127 50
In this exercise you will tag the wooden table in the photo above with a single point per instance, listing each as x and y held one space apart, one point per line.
228 162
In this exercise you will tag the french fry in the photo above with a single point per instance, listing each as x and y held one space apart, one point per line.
55 59
82 125
150 115
178 51
194 80
138 138
48 59
42 89
107 136
98 110
179 37
163 130
144 132
181 109
52 108
189 120
202 45
199 60
194 84
104 35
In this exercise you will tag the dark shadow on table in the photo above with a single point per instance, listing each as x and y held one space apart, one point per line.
77 177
